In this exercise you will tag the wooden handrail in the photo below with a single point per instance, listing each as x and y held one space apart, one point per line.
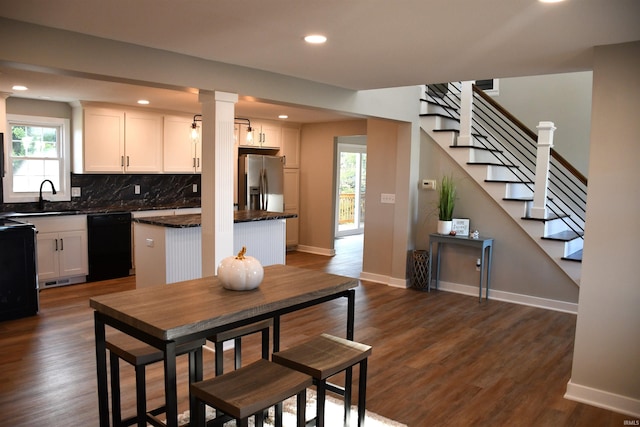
531 134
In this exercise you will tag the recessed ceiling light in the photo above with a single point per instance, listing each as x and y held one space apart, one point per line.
19 87
550 1
315 39
143 102
283 116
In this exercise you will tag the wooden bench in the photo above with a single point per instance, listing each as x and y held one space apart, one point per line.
323 357
139 355
250 391
236 335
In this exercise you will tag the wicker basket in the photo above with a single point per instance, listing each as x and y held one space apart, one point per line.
420 269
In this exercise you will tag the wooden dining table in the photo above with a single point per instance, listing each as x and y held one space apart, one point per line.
167 315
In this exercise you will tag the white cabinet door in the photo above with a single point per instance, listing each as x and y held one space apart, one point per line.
103 140
266 134
48 265
73 253
291 147
62 255
181 153
143 142
62 249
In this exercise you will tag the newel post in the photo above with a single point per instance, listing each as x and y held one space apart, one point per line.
466 111
545 142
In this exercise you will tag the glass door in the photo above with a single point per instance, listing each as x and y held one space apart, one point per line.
351 180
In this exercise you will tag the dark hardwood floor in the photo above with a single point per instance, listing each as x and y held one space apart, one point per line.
439 359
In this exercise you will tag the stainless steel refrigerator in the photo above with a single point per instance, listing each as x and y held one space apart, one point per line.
260 183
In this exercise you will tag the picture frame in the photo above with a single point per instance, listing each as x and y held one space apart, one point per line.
460 226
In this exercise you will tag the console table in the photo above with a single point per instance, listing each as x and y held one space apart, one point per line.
485 244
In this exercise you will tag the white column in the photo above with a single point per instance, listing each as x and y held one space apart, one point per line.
466 111
545 142
218 110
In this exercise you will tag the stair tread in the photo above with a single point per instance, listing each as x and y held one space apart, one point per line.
507 181
447 130
519 199
493 150
493 164
576 256
564 236
549 218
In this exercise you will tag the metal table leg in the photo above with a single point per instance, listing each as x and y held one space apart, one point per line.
101 369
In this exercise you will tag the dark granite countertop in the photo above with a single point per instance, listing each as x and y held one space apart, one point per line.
194 220
88 211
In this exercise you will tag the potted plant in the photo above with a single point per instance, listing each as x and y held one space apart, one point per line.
446 203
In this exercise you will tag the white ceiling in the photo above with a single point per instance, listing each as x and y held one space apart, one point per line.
372 43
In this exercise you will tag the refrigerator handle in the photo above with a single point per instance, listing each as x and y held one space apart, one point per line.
261 190
265 190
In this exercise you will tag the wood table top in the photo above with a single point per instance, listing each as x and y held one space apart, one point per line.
172 311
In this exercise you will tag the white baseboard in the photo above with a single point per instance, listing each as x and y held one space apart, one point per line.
603 399
549 304
385 280
316 251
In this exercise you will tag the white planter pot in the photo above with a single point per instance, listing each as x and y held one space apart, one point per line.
444 227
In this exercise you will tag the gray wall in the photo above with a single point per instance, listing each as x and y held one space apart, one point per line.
606 362
564 99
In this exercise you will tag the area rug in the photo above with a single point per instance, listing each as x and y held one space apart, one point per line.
334 414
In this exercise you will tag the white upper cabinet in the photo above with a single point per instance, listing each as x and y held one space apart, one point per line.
266 134
103 144
143 142
113 140
181 153
290 149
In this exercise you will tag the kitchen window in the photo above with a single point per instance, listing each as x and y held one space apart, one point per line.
37 148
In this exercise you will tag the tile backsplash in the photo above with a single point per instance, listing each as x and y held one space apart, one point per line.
117 191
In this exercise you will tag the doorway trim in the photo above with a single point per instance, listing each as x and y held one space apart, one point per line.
349 144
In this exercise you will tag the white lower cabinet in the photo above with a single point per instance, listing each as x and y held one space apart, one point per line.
62 250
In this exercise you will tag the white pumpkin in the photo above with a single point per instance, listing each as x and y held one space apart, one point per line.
241 272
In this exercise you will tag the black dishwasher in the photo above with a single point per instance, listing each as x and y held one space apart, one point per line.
109 244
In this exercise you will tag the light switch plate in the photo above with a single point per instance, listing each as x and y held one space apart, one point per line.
387 198
75 192
136 189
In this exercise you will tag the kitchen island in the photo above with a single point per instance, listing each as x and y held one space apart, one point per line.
168 249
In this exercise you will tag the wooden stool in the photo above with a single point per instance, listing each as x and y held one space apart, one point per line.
140 355
236 335
249 391
324 356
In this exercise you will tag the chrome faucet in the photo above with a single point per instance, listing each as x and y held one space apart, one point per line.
40 199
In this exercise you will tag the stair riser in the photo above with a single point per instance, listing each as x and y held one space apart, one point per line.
517 190
481 156
573 246
554 226
429 108
446 123
500 173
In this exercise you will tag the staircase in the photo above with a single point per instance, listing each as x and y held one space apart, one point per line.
505 158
